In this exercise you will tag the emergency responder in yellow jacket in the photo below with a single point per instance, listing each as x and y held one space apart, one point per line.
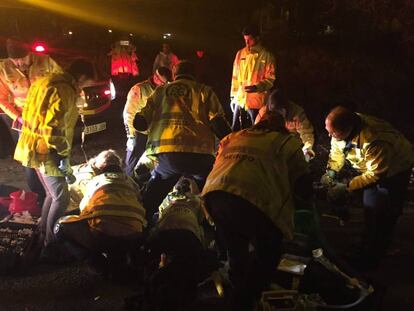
111 216
251 194
49 119
383 157
136 100
253 76
17 73
296 121
177 242
183 119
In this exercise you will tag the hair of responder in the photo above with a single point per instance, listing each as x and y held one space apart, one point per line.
251 30
276 101
184 68
105 159
341 118
165 73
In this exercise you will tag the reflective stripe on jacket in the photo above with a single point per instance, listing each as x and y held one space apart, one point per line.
49 119
377 151
261 167
14 84
255 67
182 212
110 204
296 122
136 100
178 116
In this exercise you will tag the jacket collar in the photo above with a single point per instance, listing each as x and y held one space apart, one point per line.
255 49
184 76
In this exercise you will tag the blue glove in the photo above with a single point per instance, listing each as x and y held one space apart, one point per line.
338 192
131 143
309 154
64 166
66 169
328 179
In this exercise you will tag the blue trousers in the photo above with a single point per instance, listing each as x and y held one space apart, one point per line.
132 156
171 166
383 204
243 119
56 201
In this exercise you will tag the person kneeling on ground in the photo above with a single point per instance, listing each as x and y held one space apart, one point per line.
111 219
175 248
383 159
260 176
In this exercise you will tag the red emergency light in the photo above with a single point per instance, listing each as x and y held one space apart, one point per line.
107 92
39 48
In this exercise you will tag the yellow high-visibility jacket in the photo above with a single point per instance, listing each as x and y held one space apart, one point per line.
136 100
296 122
14 84
261 167
377 151
49 119
254 67
111 205
178 116
182 211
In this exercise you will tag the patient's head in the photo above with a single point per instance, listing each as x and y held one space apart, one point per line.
105 160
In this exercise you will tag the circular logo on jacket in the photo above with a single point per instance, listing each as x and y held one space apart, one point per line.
177 90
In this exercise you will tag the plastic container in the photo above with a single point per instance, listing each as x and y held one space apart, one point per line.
24 201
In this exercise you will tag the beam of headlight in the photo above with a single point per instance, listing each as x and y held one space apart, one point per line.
96 12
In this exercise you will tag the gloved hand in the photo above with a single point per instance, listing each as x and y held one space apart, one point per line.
337 192
64 166
233 106
309 154
55 157
131 143
328 178
66 169
250 89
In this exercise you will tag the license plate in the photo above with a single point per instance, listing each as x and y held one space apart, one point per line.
90 129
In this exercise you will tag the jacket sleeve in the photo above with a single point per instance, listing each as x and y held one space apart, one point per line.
260 114
131 108
6 104
213 104
296 162
269 74
54 67
299 177
235 77
305 130
60 118
336 158
146 112
376 160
